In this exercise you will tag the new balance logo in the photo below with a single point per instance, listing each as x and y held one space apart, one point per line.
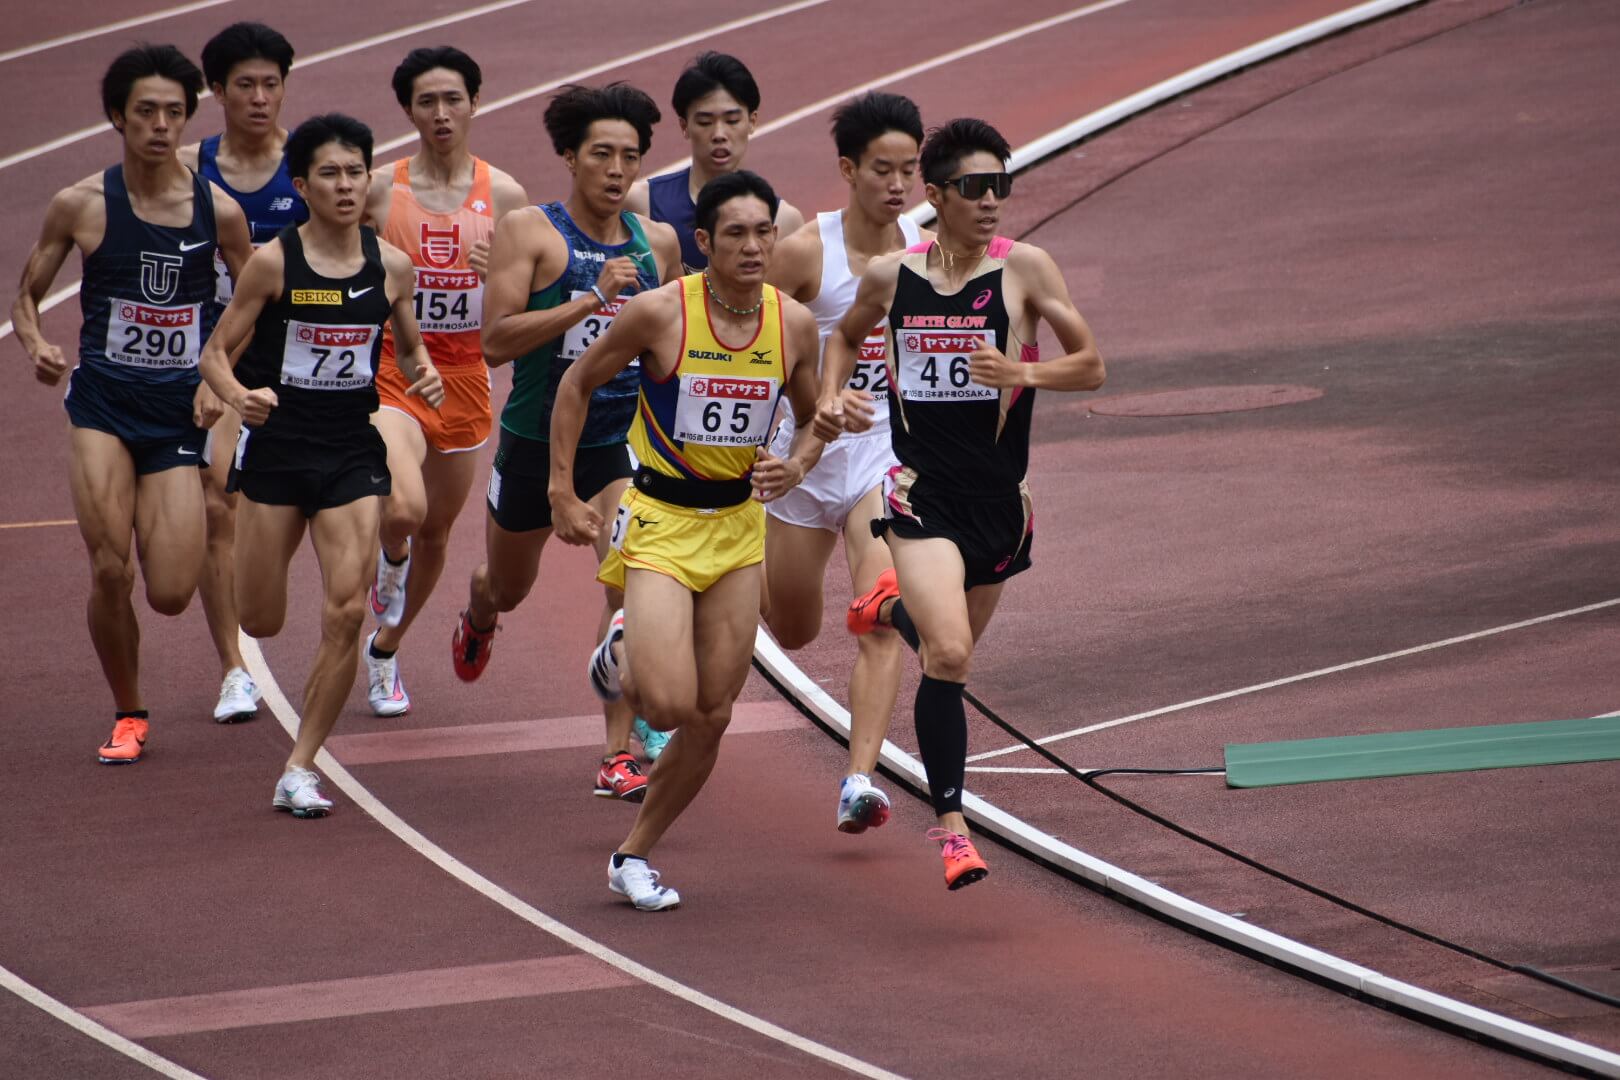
283 202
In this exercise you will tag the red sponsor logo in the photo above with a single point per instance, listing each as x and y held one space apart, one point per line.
732 389
441 247
447 280
335 336
151 316
955 344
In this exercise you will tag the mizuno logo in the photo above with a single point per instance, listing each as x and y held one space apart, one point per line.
761 356
193 247
355 294
644 522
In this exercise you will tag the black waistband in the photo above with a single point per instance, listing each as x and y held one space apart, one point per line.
693 494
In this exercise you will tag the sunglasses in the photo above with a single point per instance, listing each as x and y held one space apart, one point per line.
974 185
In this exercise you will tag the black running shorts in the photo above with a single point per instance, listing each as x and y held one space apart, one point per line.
993 533
279 469
522 474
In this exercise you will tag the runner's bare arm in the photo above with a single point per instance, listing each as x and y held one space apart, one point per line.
788 218
526 242
410 353
379 197
775 476
796 263
836 411
259 284
57 237
190 156
235 239
639 201
666 248
508 195
1037 277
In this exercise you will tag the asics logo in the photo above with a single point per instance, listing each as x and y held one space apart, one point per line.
948 793
355 294
982 299
193 247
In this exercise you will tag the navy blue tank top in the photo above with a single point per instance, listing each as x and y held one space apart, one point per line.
669 199
147 291
269 210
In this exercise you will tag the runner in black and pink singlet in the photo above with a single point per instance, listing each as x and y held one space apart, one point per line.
962 313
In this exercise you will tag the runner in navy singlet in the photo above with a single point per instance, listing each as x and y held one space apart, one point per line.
962 313
148 230
246 66
717 103
315 301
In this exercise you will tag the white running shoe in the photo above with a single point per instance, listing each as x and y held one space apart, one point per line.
603 669
387 595
638 881
861 805
299 790
238 698
384 688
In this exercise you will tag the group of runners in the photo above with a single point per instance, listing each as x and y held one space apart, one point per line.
279 339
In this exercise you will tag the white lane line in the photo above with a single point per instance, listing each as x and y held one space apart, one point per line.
362 797
916 69
1048 770
298 65
109 28
617 62
99 1032
1317 674
1184 911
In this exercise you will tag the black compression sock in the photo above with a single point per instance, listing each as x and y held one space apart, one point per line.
942 741
391 561
132 714
900 619
378 654
619 857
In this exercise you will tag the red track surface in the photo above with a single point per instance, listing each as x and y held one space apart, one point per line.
1367 235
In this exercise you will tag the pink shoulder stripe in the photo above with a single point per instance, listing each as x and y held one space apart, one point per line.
999 246
921 245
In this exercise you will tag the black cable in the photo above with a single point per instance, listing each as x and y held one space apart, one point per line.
1089 779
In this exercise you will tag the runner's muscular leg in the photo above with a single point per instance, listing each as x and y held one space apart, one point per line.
406 506
722 626
217 584
266 538
504 578
874 684
345 546
446 480
617 716
171 536
795 566
101 476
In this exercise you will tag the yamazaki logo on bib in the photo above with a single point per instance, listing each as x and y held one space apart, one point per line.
151 336
724 411
934 365
449 301
320 357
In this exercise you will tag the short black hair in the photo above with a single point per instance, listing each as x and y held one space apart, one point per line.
317 131
725 187
859 120
243 41
711 71
574 108
426 59
947 145
143 61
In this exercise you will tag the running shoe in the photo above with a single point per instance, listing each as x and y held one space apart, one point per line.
653 741
603 669
238 698
127 743
633 878
962 863
862 617
470 648
299 791
387 594
385 690
861 805
621 778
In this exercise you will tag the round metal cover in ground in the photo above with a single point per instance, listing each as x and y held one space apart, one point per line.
1200 400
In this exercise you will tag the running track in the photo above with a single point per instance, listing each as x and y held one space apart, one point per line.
198 893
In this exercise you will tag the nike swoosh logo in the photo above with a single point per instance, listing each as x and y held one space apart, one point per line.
194 247
187 453
378 479
357 295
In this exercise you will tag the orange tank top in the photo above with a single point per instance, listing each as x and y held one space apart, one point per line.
449 293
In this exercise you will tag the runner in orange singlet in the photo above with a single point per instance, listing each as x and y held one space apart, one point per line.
439 207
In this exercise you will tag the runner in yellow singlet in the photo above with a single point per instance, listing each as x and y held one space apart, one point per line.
689 535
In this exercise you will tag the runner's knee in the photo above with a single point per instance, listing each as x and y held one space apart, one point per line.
341 618
259 622
948 659
110 576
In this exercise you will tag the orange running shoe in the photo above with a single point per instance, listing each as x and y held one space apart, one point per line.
127 742
621 778
962 863
470 648
863 610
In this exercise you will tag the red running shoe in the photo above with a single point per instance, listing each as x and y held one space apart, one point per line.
962 863
470 648
127 743
862 617
621 778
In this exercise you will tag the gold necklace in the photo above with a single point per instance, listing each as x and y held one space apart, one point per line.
707 284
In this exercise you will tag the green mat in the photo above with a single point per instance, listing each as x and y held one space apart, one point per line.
1405 753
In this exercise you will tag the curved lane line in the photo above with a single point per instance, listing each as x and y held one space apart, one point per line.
1318 673
99 1032
1288 953
438 856
109 28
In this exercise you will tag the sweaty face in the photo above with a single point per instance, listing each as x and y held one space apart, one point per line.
740 248
718 128
441 109
885 176
251 96
154 118
606 164
968 222
336 186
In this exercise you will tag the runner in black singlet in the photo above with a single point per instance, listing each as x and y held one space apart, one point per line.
962 314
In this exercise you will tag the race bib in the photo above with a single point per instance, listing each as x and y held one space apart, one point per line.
620 521
580 336
718 410
872 364
223 288
449 301
934 365
151 336
320 357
